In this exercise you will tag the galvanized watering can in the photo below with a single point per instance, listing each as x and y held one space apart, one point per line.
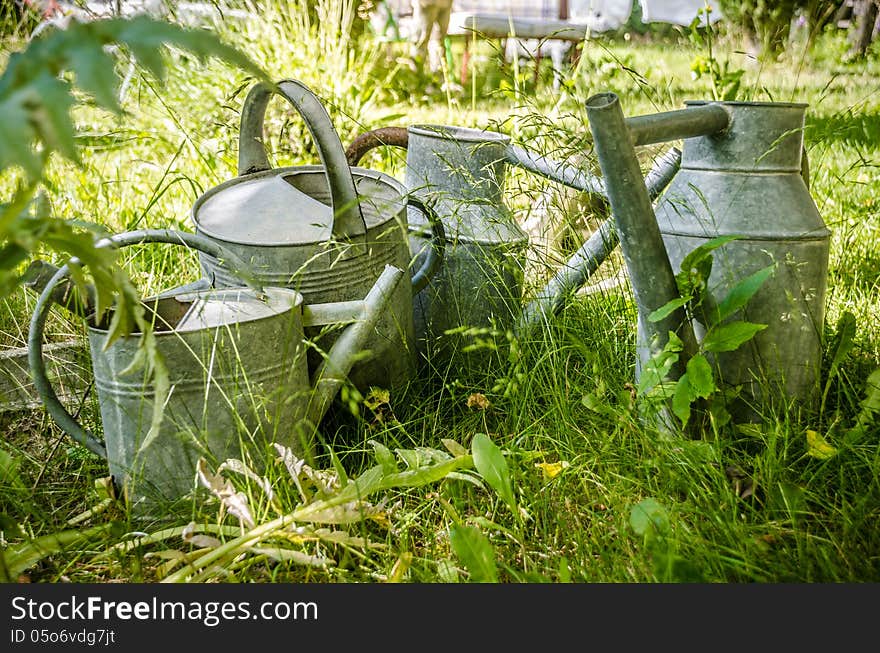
327 231
238 381
743 174
480 282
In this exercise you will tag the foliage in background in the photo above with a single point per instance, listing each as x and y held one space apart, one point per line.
723 334
766 24
38 90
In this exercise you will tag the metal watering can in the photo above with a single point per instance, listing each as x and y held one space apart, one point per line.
743 173
237 374
327 231
480 281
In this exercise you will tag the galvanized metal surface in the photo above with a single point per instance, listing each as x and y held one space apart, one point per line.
748 181
641 244
674 125
586 260
462 171
239 382
331 246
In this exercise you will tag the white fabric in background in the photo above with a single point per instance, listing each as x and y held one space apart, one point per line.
600 15
677 12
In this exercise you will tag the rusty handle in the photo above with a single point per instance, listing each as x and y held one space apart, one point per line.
399 137
348 221
396 136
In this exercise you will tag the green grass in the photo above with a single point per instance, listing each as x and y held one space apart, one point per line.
733 505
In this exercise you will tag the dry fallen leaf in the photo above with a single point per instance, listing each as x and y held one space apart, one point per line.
478 400
236 503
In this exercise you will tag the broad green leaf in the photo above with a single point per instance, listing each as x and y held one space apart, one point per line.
51 116
490 463
9 475
384 457
844 339
696 267
667 309
16 136
94 74
409 457
655 370
682 398
673 342
728 337
649 517
818 447
700 378
424 475
475 552
741 293
705 250
454 447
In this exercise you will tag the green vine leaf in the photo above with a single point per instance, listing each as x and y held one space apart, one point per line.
741 293
475 552
728 337
491 465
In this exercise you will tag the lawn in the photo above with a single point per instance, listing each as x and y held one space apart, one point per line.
538 467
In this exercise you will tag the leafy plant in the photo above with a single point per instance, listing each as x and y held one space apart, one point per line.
326 499
39 88
475 552
649 520
723 334
724 77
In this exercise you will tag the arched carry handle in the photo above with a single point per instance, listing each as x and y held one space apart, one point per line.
36 363
544 166
348 221
396 136
436 248
399 137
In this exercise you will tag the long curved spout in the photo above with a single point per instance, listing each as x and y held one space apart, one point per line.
584 262
330 376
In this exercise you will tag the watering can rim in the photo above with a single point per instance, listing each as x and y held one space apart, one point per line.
296 297
459 133
369 218
742 103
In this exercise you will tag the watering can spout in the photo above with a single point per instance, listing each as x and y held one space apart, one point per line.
331 374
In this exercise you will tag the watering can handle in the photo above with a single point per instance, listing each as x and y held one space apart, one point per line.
399 137
348 221
522 158
37 365
437 247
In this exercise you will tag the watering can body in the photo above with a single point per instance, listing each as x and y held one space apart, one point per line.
236 380
479 286
477 293
229 398
326 231
748 181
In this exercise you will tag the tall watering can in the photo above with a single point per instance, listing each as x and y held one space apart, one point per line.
743 174
327 231
237 377
480 282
